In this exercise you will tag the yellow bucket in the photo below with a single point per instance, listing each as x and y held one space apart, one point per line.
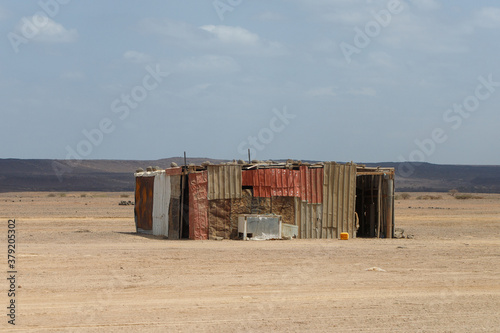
344 236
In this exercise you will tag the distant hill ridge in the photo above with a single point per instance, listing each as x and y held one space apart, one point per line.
118 175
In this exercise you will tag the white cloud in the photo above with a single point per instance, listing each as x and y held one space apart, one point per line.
213 38
227 34
43 29
322 91
138 57
73 76
242 41
209 63
488 17
426 4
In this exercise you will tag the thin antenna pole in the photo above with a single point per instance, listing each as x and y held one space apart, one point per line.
183 175
249 159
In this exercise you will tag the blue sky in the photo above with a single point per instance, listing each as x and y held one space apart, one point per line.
338 80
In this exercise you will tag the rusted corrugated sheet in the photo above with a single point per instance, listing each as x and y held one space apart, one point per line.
224 182
144 187
311 181
339 191
198 205
263 183
174 171
306 183
247 177
282 182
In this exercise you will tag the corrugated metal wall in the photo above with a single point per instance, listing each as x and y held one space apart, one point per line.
198 205
339 191
306 183
144 187
308 218
224 182
157 203
324 199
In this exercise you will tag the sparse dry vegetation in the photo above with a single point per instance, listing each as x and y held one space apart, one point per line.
402 196
429 197
465 196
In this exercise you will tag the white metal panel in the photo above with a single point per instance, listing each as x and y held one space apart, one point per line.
161 204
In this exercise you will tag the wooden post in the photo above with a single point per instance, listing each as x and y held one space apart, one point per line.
379 204
389 208
372 208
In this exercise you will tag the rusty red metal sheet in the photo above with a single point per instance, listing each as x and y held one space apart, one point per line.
319 187
144 189
288 176
198 205
247 177
296 183
303 188
173 171
274 185
279 181
306 183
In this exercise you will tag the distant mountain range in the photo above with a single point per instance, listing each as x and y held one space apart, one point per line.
118 175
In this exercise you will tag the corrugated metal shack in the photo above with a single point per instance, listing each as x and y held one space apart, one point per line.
322 200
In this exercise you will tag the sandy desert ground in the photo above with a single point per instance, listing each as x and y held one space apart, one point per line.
82 268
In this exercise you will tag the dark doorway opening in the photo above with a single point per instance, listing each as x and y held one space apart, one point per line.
374 205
